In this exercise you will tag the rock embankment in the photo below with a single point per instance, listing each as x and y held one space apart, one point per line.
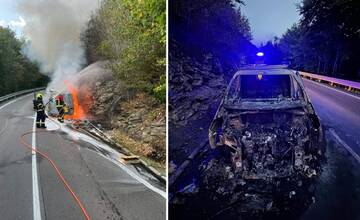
135 120
194 86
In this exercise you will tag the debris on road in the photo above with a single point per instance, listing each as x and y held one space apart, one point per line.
190 189
132 159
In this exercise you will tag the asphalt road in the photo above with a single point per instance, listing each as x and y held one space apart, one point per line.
108 189
337 110
338 189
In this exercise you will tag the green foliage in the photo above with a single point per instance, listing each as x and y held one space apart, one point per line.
16 71
160 90
132 34
326 40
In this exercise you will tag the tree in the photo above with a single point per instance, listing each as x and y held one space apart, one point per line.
327 38
16 71
132 35
215 26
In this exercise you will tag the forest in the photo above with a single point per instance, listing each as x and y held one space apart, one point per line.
132 36
17 72
325 41
212 26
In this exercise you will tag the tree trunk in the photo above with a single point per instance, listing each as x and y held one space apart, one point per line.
334 70
325 68
340 64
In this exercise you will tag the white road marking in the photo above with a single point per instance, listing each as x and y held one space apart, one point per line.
9 103
137 177
86 138
354 96
36 200
35 184
347 147
141 180
6 122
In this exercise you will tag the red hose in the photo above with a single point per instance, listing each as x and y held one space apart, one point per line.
58 172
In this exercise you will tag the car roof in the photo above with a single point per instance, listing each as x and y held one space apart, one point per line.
262 67
264 71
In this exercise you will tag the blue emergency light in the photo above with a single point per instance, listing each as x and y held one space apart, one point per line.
260 54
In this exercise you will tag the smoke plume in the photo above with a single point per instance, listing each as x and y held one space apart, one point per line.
53 29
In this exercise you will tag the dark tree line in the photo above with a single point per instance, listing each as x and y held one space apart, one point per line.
16 71
215 26
327 38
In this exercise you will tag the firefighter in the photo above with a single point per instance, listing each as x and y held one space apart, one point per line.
40 109
60 107
36 95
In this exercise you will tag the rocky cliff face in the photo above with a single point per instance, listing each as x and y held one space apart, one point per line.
138 116
135 120
194 85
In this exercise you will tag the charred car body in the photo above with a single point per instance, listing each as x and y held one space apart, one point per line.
269 126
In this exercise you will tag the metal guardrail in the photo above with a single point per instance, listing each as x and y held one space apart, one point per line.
347 84
20 93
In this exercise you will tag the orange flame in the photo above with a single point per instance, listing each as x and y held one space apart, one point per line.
81 102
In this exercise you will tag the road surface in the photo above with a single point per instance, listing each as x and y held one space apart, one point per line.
338 190
30 189
337 110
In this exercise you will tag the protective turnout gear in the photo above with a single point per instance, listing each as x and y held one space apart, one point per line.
59 101
40 113
37 96
66 108
60 107
61 115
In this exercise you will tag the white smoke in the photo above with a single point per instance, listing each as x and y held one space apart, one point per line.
53 29
13 24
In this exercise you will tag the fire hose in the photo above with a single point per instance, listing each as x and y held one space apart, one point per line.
54 166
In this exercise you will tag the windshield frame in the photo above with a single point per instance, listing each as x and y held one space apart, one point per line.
293 83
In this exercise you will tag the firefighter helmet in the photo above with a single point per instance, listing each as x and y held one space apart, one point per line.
39 95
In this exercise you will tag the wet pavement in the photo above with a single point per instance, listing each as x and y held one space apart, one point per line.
107 188
338 190
337 109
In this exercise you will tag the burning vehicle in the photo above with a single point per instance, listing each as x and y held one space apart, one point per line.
78 101
67 98
269 131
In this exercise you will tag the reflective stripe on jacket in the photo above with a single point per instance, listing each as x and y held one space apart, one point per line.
40 107
59 103
66 109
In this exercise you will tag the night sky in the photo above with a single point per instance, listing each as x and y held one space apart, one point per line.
269 18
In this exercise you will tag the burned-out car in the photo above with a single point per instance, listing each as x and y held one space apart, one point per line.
269 125
267 151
